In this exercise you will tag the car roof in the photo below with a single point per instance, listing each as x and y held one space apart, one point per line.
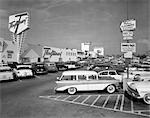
81 72
107 70
4 67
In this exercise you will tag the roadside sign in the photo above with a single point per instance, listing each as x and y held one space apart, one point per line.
127 38
127 33
128 55
128 47
128 25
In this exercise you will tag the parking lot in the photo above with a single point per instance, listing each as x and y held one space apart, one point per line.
114 102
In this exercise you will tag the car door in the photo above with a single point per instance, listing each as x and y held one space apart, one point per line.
115 75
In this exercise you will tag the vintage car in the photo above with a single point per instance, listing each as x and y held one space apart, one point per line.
73 81
23 71
111 73
39 68
139 89
51 66
6 73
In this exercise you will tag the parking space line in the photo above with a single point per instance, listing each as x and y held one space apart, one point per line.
120 98
86 99
95 100
117 101
75 99
122 103
106 101
57 97
66 98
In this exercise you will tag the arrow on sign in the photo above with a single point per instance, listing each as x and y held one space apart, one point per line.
128 25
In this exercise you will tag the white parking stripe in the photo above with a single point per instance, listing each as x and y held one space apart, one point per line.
122 103
75 98
117 102
66 98
95 100
57 97
85 99
106 101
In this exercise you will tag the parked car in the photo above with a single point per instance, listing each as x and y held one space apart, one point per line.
111 73
139 90
73 81
39 68
61 66
51 66
71 65
23 71
98 67
6 73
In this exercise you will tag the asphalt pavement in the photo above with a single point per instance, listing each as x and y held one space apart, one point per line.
36 98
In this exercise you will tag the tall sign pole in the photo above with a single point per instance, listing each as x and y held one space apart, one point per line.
18 24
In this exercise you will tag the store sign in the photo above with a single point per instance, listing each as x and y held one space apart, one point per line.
128 55
128 25
128 47
48 52
127 38
127 33
18 23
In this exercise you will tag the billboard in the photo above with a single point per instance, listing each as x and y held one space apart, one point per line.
48 52
18 23
128 47
128 25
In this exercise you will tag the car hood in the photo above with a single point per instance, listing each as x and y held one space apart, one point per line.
143 87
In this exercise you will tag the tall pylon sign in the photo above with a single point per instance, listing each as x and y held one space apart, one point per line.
18 24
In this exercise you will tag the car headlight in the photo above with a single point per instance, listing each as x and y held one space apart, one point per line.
133 86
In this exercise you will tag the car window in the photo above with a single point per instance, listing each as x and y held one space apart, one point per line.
69 77
104 73
81 77
106 78
92 77
112 73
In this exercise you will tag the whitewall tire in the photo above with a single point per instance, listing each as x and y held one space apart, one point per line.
72 90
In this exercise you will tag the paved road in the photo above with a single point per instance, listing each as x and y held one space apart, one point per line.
35 98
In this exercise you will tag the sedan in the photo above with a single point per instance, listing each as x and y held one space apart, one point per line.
139 90
23 71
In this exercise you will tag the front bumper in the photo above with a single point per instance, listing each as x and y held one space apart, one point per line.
132 92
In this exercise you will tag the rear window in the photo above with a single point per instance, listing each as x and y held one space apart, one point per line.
112 73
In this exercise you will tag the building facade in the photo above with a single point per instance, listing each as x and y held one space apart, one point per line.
38 53
8 51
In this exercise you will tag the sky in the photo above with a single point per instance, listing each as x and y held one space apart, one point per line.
68 23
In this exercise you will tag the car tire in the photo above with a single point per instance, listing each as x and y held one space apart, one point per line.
111 89
146 98
71 90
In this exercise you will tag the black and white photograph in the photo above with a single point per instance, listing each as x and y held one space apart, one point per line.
74 58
